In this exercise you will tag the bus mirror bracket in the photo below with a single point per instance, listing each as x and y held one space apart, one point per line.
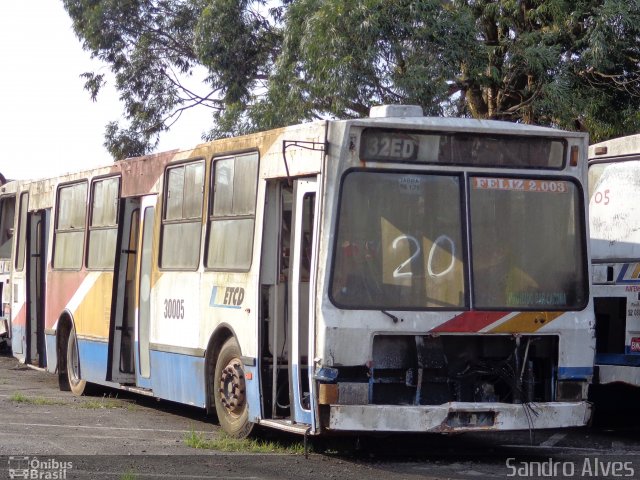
315 146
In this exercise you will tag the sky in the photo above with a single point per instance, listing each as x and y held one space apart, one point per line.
48 124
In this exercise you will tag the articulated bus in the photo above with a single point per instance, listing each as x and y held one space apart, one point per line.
396 273
614 210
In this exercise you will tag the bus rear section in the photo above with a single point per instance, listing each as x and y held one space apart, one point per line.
456 295
614 210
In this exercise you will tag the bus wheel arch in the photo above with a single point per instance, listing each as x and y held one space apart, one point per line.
226 390
65 325
68 357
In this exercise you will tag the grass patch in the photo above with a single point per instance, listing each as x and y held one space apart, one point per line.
129 476
225 443
103 403
107 402
21 398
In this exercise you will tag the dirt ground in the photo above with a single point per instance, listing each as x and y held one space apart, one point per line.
46 433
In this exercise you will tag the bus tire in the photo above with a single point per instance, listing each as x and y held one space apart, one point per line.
76 384
229 390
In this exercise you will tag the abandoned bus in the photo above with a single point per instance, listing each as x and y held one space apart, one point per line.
614 190
395 273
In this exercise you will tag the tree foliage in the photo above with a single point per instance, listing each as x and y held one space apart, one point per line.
567 63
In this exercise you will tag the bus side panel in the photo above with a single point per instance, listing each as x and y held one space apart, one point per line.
93 359
177 361
618 323
18 316
87 296
62 293
230 299
92 314
178 377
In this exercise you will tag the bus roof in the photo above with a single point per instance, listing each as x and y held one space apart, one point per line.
465 124
616 147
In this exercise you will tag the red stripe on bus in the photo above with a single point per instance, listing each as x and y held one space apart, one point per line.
470 321
20 318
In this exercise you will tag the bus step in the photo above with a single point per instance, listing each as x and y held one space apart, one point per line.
142 391
286 425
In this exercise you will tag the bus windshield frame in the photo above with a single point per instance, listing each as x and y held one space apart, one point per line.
391 251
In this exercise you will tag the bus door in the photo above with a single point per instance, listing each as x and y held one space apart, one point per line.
18 285
37 228
301 301
121 361
143 317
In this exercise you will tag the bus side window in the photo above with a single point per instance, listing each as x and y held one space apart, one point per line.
182 217
71 214
232 212
103 223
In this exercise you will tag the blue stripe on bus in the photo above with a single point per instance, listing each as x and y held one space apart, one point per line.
623 273
176 377
179 378
574 373
93 360
628 359
52 353
253 393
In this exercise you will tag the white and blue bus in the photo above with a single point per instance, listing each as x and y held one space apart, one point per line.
395 273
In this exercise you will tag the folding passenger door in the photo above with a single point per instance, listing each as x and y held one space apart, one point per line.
143 316
302 305
121 358
38 226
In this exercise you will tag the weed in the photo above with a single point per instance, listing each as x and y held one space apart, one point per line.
102 403
129 476
21 398
225 443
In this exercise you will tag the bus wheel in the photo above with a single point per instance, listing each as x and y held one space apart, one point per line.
230 396
76 384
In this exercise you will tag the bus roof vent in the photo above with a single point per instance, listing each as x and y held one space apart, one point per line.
382 111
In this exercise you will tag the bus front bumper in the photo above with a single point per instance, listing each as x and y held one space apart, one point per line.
458 417
619 373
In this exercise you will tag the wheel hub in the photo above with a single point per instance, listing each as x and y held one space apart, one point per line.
232 387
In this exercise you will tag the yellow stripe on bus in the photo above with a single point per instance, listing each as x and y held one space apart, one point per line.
526 322
93 314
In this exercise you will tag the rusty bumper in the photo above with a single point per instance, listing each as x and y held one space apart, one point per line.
458 417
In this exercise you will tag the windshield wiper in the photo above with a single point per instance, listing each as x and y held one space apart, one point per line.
392 316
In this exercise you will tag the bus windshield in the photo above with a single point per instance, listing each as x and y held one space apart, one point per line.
526 244
401 243
614 204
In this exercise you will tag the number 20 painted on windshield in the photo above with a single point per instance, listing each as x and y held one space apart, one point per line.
397 273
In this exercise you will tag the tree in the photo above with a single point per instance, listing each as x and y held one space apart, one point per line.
567 63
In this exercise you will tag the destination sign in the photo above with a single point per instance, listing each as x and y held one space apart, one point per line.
462 148
385 146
